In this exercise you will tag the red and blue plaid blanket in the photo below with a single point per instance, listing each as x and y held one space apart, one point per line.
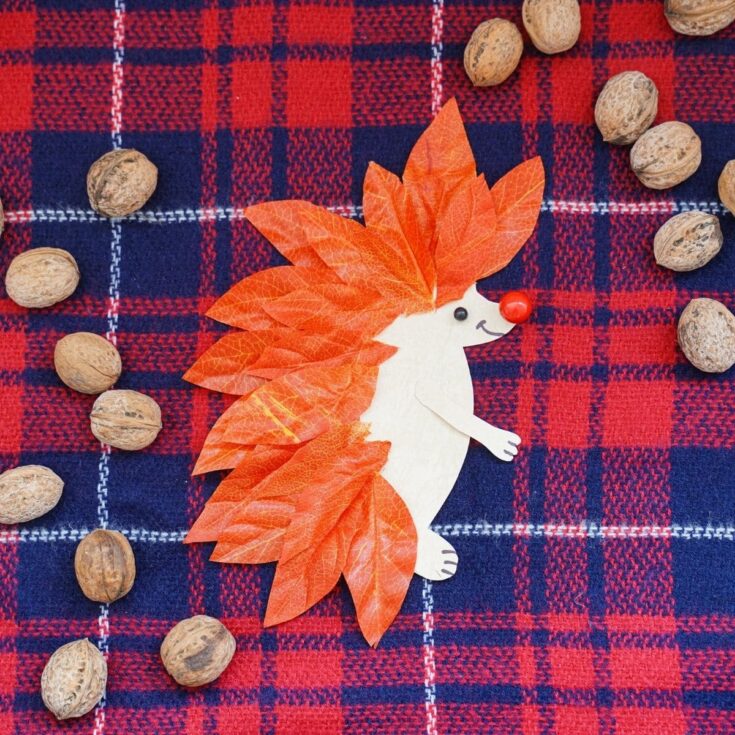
596 588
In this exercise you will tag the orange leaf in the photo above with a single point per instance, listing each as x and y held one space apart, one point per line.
255 528
224 366
260 463
318 538
351 251
465 239
242 305
331 309
300 405
287 225
281 359
390 214
381 559
442 155
440 161
218 454
517 198
303 578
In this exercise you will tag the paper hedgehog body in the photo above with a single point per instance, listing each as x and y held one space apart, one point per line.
356 401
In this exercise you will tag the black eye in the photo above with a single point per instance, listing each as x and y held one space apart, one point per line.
460 313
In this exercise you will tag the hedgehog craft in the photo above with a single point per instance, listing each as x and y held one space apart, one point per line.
355 406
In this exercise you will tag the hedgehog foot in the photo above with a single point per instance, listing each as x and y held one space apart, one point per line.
436 558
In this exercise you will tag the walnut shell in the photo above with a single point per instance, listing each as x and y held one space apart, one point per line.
87 362
688 241
125 419
666 155
552 25
699 17
121 182
41 277
104 565
74 679
626 107
28 492
493 52
707 335
726 186
197 650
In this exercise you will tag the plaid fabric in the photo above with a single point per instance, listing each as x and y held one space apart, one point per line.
596 586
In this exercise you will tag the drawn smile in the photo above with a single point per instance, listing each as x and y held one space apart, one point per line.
481 325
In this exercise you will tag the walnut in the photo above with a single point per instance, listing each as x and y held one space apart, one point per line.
726 186
197 650
41 277
28 492
493 52
626 107
666 155
699 17
552 25
707 335
87 362
104 565
74 679
125 419
688 241
121 182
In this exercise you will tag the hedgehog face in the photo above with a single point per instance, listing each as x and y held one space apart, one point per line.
474 320
471 320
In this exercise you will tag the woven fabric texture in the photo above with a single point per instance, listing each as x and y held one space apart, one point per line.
595 593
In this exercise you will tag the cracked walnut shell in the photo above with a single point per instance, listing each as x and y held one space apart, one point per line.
74 679
552 25
493 52
28 492
626 107
104 565
125 419
87 362
197 650
41 277
688 241
666 155
699 17
121 182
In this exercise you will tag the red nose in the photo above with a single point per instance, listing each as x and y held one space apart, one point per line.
516 307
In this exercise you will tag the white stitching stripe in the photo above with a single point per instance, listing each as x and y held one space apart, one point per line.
221 213
583 529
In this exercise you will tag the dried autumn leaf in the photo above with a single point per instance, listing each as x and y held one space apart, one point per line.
218 454
465 237
440 161
381 559
330 310
357 256
327 464
224 366
242 305
260 463
315 549
389 212
299 406
516 198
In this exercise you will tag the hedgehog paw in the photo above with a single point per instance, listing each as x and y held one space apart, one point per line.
436 558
